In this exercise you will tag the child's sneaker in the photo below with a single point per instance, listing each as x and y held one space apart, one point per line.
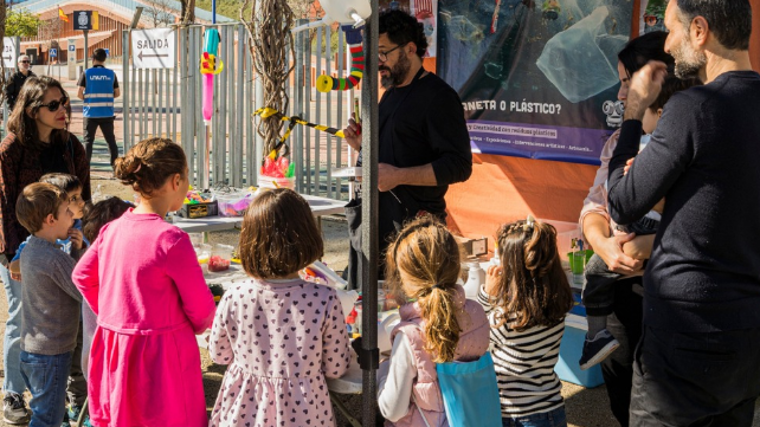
596 350
14 410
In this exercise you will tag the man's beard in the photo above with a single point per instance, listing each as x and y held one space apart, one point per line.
397 74
689 62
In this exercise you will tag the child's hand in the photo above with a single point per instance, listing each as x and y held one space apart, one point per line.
493 279
659 206
76 238
15 269
627 166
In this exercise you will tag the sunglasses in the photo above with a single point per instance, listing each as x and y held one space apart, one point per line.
23 62
53 106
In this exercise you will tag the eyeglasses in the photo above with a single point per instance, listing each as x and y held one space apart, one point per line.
383 56
23 62
53 106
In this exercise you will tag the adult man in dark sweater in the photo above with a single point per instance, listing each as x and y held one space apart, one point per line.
17 80
698 362
424 143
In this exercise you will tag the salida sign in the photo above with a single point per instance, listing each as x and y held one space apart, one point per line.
154 48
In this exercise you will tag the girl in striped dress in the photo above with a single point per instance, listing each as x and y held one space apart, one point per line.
526 299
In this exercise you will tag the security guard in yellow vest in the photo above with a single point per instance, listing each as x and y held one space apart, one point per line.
98 87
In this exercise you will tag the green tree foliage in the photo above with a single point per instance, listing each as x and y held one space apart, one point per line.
228 8
22 23
231 8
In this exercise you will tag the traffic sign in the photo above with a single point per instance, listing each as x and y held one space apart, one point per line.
53 52
108 51
72 48
154 48
9 53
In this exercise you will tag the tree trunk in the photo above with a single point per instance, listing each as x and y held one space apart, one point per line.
188 12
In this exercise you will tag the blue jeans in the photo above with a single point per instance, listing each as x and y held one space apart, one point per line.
555 418
46 377
14 382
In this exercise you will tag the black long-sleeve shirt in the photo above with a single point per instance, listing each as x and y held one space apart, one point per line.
423 123
704 158
13 88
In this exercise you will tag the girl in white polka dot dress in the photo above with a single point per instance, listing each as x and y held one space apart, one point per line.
280 335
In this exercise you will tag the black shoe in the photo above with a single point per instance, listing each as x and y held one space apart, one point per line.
594 352
15 411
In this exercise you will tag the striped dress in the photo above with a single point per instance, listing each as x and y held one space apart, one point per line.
524 363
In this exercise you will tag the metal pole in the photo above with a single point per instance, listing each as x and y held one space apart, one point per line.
125 86
213 12
86 49
370 196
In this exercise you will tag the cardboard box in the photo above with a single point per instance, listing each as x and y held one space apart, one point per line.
472 248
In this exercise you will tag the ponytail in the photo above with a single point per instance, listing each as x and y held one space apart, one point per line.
441 325
428 255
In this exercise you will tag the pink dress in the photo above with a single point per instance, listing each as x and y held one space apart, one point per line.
142 278
281 339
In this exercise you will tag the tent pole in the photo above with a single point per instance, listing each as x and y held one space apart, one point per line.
370 198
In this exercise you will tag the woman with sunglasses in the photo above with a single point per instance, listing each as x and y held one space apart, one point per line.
38 142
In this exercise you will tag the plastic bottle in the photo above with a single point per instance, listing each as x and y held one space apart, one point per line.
476 276
579 262
495 260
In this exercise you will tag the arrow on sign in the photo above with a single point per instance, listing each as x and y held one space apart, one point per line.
158 55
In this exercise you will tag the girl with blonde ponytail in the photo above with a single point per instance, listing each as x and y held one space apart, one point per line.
437 325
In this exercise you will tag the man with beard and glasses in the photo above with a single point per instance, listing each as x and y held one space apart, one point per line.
424 144
698 361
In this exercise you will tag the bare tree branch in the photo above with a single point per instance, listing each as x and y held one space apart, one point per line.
159 12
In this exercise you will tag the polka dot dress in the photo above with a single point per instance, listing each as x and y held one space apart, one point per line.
280 340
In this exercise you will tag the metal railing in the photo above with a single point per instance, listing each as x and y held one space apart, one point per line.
167 102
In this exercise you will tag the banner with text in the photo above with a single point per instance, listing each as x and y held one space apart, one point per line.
537 80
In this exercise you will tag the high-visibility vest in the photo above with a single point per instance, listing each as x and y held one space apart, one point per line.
98 92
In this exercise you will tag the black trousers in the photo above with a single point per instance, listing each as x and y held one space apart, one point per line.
105 124
625 325
696 379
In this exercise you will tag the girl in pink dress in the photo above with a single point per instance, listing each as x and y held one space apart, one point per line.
142 279
280 335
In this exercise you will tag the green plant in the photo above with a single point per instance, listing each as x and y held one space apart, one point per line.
22 23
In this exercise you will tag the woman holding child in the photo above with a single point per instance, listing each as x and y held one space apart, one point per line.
38 143
622 253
